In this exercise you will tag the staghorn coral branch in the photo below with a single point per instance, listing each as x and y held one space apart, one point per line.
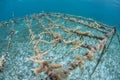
39 56
45 66
51 22
36 50
53 34
54 66
32 36
78 45
56 41
80 60
73 42
57 37
38 70
43 63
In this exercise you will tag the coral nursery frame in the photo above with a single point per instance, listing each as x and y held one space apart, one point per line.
57 28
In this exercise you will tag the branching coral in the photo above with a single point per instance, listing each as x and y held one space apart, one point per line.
73 42
96 25
76 43
31 33
57 37
38 56
80 60
44 65
36 50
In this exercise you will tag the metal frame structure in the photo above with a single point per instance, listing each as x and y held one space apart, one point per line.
50 21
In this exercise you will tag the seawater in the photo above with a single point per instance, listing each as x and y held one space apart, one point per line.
107 11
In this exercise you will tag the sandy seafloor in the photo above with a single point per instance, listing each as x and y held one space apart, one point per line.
16 68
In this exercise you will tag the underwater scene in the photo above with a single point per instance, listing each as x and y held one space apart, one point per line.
59 39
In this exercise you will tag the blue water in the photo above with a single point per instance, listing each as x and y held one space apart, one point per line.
106 11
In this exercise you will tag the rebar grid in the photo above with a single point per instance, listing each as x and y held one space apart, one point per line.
67 30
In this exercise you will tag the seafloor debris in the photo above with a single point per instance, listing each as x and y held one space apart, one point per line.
2 60
55 30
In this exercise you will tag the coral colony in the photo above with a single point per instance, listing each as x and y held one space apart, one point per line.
67 30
